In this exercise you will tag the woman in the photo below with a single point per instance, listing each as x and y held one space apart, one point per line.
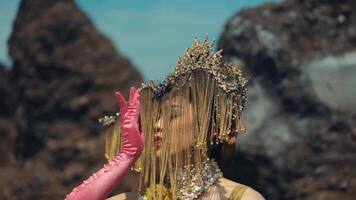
188 121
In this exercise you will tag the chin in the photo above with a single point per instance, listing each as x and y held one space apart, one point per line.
158 153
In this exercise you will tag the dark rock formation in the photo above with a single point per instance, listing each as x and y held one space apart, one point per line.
7 109
323 166
287 42
301 57
7 94
64 74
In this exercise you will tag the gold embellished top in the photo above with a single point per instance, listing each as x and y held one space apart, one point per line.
238 192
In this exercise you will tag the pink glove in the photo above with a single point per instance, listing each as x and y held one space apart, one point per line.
100 184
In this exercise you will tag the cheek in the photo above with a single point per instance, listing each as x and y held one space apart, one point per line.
182 134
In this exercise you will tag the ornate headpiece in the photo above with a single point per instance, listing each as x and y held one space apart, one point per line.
198 106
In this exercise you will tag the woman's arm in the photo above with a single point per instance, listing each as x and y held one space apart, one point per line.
100 184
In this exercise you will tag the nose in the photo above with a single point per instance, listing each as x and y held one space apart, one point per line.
157 128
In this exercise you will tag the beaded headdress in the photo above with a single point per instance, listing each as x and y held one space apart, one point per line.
198 106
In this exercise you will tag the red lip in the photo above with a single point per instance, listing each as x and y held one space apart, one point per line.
158 140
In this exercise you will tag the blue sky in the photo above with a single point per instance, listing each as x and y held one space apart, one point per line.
152 34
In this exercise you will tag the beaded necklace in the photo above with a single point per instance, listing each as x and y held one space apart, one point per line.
190 185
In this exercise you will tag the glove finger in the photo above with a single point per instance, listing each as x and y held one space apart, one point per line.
132 94
121 101
137 101
134 101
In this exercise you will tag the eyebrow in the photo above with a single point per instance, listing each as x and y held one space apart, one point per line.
176 106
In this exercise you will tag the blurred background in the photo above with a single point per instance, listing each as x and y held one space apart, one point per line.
61 61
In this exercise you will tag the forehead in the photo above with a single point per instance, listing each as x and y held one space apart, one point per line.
177 96
175 103
176 99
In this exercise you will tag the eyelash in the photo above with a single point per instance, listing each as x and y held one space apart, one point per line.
175 114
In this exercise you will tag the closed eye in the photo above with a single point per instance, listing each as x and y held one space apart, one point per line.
175 114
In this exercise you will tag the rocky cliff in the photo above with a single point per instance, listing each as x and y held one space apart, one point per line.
63 78
300 117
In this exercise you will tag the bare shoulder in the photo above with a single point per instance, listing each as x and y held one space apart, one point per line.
249 194
125 196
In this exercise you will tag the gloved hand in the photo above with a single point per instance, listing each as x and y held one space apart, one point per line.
132 136
100 184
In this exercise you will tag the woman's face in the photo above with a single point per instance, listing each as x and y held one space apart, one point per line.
174 130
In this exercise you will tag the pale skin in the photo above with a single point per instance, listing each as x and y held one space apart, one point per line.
221 190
